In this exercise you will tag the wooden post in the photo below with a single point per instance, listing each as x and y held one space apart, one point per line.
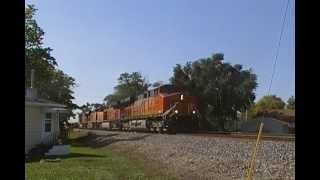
253 158
246 115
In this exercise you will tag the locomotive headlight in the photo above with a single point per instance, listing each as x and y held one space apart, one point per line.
193 112
176 111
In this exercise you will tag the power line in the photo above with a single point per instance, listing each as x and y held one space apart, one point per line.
279 43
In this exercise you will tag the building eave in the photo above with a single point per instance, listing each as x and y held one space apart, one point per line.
30 103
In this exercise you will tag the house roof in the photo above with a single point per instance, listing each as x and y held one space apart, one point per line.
42 102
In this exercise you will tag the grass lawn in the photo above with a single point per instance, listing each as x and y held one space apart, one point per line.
90 164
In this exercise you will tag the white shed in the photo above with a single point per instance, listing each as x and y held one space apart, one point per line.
41 121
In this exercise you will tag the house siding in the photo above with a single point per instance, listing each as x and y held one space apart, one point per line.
33 127
34 121
55 122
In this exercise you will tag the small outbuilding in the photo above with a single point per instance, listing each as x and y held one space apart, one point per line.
41 120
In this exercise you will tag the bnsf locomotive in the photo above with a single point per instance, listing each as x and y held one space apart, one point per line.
163 109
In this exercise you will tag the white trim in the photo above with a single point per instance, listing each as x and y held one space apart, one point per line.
60 110
44 124
44 104
44 134
47 119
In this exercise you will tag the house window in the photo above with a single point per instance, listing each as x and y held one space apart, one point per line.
48 115
47 122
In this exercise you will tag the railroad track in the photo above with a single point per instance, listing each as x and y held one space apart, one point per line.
265 136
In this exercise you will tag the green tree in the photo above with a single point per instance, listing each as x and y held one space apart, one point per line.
129 85
89 107
60 89
267 103
221 89
51 83
291 103
36 56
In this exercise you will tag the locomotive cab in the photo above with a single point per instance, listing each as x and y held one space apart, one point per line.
180 107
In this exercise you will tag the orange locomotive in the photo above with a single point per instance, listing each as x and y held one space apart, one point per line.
83 119
163 109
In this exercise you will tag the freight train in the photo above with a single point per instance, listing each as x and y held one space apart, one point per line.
162 109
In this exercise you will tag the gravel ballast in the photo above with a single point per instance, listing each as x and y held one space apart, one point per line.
196 157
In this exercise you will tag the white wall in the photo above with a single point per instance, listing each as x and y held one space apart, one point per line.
33 126
34 117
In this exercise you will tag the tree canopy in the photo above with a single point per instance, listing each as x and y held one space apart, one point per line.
291 103
129 85
271 102
89 107
51 82
222 89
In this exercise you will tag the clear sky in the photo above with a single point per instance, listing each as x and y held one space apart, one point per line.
94 41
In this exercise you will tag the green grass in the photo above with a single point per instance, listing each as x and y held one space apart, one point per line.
90 164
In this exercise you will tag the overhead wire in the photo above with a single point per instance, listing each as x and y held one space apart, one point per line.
278 47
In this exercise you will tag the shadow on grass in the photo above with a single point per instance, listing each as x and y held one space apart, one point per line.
74 155
97 141
71 155
88 140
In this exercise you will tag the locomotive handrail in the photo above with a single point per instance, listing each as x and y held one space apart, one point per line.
169 110
141 117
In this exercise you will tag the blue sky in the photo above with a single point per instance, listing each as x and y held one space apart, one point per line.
94 41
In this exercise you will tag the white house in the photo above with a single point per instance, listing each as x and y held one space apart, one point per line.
41 120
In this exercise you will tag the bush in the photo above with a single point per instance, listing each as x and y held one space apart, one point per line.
271 102
284 115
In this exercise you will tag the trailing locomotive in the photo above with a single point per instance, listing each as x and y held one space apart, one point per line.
162 109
